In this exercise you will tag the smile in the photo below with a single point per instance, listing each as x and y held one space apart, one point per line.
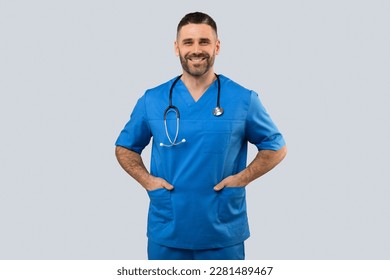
197 59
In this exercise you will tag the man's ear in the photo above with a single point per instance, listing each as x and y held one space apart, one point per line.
176 48
217 47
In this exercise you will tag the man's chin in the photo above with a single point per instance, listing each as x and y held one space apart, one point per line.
197 71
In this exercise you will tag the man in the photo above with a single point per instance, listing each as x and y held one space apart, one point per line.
201 124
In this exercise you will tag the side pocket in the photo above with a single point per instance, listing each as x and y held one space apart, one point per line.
160 208
232 207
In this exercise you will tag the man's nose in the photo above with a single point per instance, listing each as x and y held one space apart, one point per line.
197 48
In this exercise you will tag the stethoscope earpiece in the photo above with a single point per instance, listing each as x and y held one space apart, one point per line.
172 143
217 111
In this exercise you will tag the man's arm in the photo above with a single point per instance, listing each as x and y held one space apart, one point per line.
264 161
132 163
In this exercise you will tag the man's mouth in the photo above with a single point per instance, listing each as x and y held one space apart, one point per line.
197 59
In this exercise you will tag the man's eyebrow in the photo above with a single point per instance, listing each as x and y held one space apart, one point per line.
187 40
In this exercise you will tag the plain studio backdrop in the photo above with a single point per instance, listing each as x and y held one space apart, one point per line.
71 72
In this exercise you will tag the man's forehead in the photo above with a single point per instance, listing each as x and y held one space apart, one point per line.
196 31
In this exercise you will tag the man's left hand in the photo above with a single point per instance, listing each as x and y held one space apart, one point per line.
232 181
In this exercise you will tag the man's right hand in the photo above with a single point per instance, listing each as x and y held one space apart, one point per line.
132 163
154 183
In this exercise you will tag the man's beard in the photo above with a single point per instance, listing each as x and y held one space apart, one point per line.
197 69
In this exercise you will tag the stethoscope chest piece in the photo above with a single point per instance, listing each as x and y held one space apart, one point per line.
218 111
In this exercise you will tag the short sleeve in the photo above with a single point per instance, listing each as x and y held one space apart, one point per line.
260 129
136 134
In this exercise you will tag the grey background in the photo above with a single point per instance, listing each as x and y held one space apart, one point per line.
71 72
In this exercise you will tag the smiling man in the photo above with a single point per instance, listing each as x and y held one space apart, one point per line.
197 185
197 45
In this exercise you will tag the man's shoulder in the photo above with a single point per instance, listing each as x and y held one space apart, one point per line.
232 85
161 87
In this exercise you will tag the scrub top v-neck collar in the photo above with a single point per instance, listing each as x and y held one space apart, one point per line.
184 93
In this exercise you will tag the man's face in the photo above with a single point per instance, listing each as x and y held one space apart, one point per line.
197 45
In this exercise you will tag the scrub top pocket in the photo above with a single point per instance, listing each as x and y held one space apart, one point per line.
216 137
160 208
232 207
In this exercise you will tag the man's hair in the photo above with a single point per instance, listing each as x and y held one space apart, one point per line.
197 18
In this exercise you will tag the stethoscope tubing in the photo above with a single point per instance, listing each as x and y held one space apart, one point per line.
217 111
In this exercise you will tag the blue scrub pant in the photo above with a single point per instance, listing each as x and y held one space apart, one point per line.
160 252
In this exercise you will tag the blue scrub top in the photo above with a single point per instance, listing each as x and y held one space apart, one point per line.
193 215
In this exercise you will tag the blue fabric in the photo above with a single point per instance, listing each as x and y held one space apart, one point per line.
159 252
193 215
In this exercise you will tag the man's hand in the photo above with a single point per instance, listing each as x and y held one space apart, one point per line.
264 161
155 183
230 181
132 163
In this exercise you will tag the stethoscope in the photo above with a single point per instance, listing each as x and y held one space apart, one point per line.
217 111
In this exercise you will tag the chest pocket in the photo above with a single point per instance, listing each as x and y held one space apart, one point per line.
216 136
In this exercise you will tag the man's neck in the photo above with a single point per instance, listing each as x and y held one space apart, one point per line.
197 85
